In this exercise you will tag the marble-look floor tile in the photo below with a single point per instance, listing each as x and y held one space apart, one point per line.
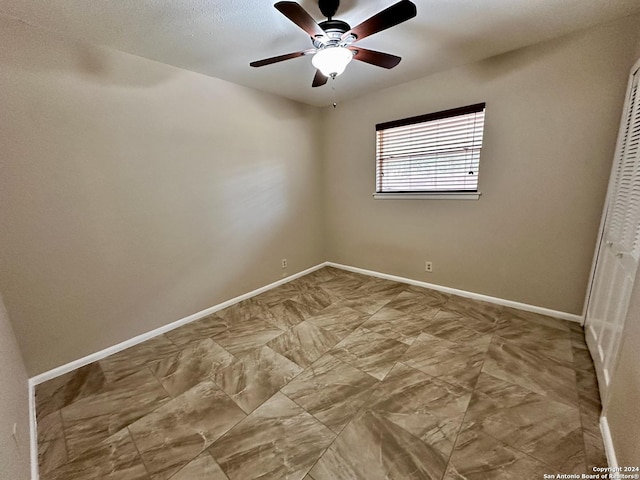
289 313
279 440
50 427
551 341
458 329
325 274
176 433
534 424
52 454
161 410
314 300
294 287
245 336
478 456
418 300
91 420
304 343
273 297
114 458
308 282
582 359
343 284
365 304
469 308
577 335
202 468
61 391
197 330
372 447
331 390
590 410
372 295
589 401
255 377
370 352
423 405
575 327
382 287
195 363
397 325
338 320
455 363
514 316
245 311
429 296
132 359
52 448
531 370
594 451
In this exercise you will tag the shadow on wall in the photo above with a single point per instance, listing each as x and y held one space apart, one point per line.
253 215
23 50
465 48
516 61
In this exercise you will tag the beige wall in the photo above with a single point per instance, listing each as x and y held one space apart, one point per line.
133 194
552 116
14 405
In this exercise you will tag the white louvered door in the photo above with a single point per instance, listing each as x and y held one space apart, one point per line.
619 251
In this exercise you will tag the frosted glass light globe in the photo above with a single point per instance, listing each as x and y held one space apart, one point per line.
332 61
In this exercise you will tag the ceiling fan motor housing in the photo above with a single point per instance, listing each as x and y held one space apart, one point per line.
334 29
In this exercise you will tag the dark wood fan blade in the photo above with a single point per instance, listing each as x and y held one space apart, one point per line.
395 14
281 58
300 17
379 59
319 79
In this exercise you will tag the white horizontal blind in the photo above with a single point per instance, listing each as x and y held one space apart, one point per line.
438 152
624 212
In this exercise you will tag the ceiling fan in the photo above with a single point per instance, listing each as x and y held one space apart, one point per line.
333 40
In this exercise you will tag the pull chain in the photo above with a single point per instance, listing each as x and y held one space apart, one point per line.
333 90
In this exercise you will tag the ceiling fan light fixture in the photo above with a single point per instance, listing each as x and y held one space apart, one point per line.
332 61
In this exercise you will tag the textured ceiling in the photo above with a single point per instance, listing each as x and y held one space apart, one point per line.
220 37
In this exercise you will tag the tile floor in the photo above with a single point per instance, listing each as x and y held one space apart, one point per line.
332 376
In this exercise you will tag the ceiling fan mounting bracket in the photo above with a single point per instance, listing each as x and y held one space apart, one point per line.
329 7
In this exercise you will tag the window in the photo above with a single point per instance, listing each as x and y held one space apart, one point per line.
430 156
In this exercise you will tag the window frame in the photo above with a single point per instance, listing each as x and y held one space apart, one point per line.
434 194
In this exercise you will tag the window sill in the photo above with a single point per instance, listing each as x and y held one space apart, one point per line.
428 196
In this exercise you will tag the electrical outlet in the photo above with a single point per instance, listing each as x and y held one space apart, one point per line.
284 263
15 432
428 267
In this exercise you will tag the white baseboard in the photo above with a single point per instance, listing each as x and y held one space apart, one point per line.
463 293
608 443
33 432
81 362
